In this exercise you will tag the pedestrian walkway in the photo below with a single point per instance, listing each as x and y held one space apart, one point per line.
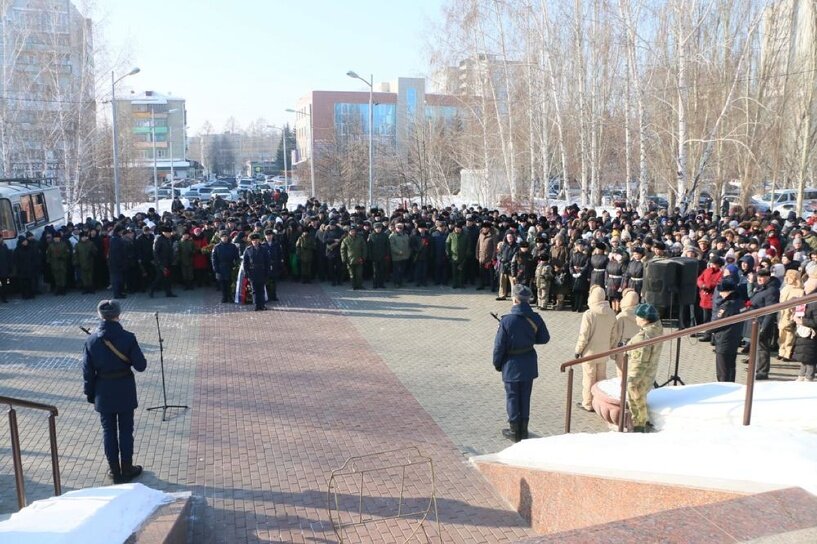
280 398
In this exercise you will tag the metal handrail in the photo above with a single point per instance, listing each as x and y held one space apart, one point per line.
15 444
752 315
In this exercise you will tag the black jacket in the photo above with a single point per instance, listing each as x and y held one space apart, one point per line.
766 295
727 339
805 349
163 251
25 260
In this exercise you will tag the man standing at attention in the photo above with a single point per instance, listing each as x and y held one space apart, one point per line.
110 354
515 357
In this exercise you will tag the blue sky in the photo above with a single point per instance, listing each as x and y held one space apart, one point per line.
254 58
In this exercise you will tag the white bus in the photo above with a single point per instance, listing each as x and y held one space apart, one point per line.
28 206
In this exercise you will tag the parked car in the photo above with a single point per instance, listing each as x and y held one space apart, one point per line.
784 199
226 194
658 202
191 194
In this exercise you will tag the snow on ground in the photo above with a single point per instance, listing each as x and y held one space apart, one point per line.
101 515
744 459
781 405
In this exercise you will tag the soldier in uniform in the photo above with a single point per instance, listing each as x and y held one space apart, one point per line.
378 255
353 252
305 249
456 249
634 273
643 365
187 249
276 260
110 354
400 250
223 258
86 257
515 356
256 267
58 257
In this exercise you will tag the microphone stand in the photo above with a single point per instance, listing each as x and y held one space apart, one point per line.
164 406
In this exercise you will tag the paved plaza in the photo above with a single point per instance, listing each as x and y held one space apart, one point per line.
279 399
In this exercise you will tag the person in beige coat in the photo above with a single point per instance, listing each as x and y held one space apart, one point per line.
792 288
596 335
626 326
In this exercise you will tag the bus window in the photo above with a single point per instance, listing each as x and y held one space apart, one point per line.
7 229
40 215
25 205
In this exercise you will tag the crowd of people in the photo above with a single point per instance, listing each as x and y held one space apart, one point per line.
747 259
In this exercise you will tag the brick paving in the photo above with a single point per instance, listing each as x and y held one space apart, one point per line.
278 399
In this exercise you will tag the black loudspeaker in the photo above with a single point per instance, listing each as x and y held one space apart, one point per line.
661 282
687 280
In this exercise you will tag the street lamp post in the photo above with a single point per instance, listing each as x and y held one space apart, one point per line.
370 83
170 143
114 81
284 140
311 148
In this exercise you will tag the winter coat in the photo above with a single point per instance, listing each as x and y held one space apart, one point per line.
456 247
597 332
579 268
727 339
256 262
305 247
626 327
766 295
707 282
223 259
486 247
107 378
162 251
506 256
276 257
420 247
805 349
25 260
598 269
399 246
514 354
784 317
353 250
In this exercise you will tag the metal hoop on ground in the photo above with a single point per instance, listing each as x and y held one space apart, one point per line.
379 466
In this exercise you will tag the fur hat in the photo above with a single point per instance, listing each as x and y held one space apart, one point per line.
521 292
108 309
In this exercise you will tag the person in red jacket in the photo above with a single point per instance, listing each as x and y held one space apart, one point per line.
707 282
201 266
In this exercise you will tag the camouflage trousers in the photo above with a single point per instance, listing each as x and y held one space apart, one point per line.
640 380
543 296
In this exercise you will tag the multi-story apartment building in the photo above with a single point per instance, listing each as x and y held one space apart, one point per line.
47 106
231 153
153 130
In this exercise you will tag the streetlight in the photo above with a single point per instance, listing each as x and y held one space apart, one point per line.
284 140
170 143
115 146
370 83
311 143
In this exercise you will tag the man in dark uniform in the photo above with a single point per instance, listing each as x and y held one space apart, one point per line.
110 354
276 262
117 263
766 293
515 357
256 267
163 260
223 258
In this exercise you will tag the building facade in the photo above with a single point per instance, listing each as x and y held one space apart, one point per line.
47 106
153 131
335 118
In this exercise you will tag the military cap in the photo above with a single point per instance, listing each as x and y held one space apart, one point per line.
639 249
658 244
764 272
108 309
377 225
268 231
255 236
647 311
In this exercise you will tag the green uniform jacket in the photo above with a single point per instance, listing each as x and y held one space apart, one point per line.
186 250
456 247
305 247
58 257
353 249
378 246
643 363
86 255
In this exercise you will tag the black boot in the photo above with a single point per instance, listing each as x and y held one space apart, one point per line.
130 471
523 430
512 432
115 473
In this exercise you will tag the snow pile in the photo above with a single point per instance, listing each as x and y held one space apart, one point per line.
747 459
780 405
101 515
